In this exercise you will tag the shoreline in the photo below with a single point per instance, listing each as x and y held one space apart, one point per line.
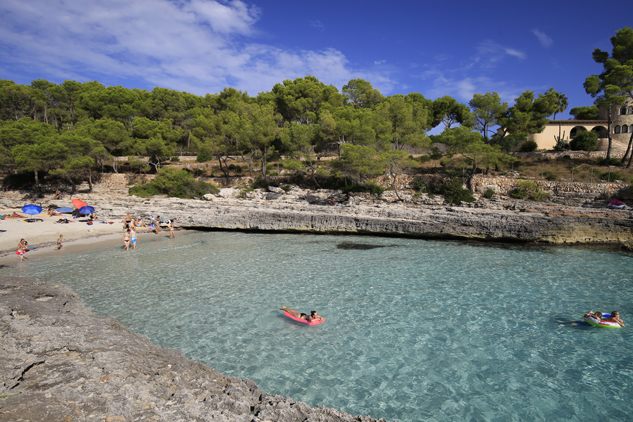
59 362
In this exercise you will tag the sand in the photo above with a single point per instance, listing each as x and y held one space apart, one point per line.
78 235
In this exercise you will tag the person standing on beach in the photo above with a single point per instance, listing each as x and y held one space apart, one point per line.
157 226
133 237
172 233
126 239
59 242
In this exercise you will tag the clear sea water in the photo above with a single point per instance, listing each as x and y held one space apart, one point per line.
416 330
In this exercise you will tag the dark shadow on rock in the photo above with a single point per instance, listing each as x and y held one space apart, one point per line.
361 246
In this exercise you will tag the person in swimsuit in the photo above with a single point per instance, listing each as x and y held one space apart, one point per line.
156 226
172 233
615 317
59 242
312 317
126 239
315 317
133 237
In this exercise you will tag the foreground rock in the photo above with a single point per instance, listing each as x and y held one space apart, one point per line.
58 362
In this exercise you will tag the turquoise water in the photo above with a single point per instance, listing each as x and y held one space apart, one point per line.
416 330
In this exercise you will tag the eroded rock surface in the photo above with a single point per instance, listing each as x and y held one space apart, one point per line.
59 362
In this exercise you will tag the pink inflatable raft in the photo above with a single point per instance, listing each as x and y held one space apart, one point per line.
303 320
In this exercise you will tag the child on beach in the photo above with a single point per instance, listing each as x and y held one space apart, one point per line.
59 242
133 237
172 234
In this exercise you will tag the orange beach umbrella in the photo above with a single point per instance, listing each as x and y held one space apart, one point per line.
78 203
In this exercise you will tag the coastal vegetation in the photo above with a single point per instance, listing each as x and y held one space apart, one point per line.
71 132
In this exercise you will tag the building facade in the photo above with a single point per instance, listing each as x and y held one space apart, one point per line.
621 127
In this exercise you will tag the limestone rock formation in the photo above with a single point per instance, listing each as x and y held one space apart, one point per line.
59 362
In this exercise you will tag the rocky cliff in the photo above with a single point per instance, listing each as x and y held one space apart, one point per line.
584 221
59 362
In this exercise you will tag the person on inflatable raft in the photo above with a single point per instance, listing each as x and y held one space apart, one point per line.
596 317
312 317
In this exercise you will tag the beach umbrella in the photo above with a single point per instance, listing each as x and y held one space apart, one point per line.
615 202
64 209
78 203
86 210
31 209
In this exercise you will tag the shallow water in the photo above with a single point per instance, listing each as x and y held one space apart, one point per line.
416 330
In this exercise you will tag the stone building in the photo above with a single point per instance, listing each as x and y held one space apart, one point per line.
621 128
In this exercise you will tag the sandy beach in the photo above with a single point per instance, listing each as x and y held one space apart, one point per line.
78 234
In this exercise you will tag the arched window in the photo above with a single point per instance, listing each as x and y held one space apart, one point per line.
616 129
575 131
625 129
630 109
601 131
623 110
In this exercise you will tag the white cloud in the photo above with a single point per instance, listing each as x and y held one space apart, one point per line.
380 61
543 38
198 46
463 89
489 54
317 24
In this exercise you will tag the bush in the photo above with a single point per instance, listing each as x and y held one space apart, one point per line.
419 185
489 193
562 145
204 156
367 187
175 183
608 176
174 159
528 146
424 159
549 175
527 189
455 193
612 162
584 141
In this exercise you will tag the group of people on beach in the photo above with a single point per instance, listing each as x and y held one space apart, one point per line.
130 225
23 248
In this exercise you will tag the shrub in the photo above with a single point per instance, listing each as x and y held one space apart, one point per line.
424 158
367 187
584 141
562 145
527 189
175 183
419 185
549 175
609 176
528 146
204 156
436 153
455 193
612 162
174 159
489 193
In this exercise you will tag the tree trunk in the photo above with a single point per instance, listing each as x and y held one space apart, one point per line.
250 165
394 184
37 181
264 162
114 164
628 149
609 135
90 179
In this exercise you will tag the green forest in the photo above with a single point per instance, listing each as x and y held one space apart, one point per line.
71 130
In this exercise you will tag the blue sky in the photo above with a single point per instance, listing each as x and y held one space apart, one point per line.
435 48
